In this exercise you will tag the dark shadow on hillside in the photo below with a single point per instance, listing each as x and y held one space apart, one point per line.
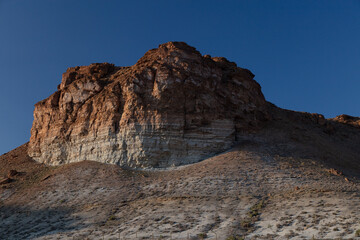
24 223
309 146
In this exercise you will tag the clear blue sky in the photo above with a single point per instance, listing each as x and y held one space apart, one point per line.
305 54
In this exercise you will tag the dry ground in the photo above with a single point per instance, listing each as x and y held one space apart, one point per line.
89 200
272 185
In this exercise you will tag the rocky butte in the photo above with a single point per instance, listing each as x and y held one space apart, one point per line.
296 170
173 107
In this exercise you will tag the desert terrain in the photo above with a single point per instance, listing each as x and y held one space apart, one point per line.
294 179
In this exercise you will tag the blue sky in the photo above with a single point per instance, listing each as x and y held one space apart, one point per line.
305 54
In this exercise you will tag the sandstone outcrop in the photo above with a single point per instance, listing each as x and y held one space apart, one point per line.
347 119
173 107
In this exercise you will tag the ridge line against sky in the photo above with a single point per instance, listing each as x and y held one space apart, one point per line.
305 54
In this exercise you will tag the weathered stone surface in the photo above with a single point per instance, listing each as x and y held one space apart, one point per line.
5 181
347 119
12 173
173 107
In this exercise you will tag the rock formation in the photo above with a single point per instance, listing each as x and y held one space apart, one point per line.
346 119
173 107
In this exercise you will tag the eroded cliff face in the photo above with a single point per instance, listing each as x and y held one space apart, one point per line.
347 119
173 107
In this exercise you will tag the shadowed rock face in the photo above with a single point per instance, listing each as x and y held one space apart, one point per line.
173 107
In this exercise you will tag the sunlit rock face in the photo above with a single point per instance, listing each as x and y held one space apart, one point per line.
347 119
173 107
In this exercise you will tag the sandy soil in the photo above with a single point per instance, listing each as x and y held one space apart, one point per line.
250 191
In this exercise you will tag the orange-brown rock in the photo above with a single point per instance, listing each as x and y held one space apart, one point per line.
12 173
346 119
173 107
5 181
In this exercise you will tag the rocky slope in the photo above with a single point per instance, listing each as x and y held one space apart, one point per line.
346 119
289 175
173 107
296 178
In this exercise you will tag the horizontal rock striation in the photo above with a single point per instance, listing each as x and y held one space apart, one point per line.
173 107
